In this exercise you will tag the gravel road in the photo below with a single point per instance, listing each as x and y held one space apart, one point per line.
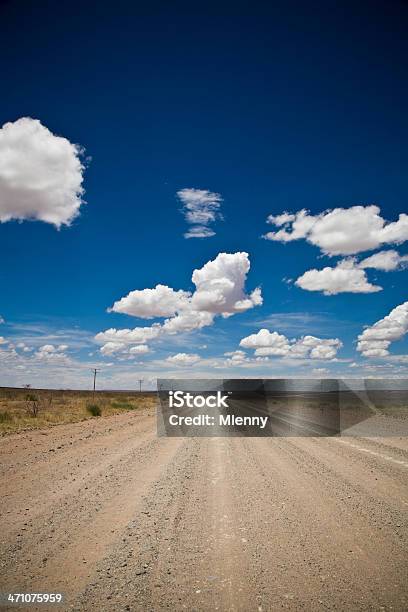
118 519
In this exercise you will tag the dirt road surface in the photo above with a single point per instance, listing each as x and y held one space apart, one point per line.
118 519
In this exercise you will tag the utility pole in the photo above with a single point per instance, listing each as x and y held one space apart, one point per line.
94 370
140 384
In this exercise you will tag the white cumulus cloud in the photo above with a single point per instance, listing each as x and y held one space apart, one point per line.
316 348
183 359
267 343
385 260
112 347
41 174
341 231
139 349
201 209
236 357
219 290
346 277
220 285
126 337
52 353
188 321
375 340
162 301
47 348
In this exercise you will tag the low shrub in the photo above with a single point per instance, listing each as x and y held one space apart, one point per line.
94 410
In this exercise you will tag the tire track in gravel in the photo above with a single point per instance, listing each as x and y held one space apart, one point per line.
379 480
342 550
183 549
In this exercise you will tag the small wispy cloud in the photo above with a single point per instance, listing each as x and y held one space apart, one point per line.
201 208
303 322
37 334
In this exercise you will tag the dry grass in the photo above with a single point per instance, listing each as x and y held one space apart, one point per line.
17 406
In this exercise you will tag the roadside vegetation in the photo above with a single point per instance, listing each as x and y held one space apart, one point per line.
22 409
94 410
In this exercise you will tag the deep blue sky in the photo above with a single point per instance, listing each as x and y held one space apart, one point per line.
275 105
